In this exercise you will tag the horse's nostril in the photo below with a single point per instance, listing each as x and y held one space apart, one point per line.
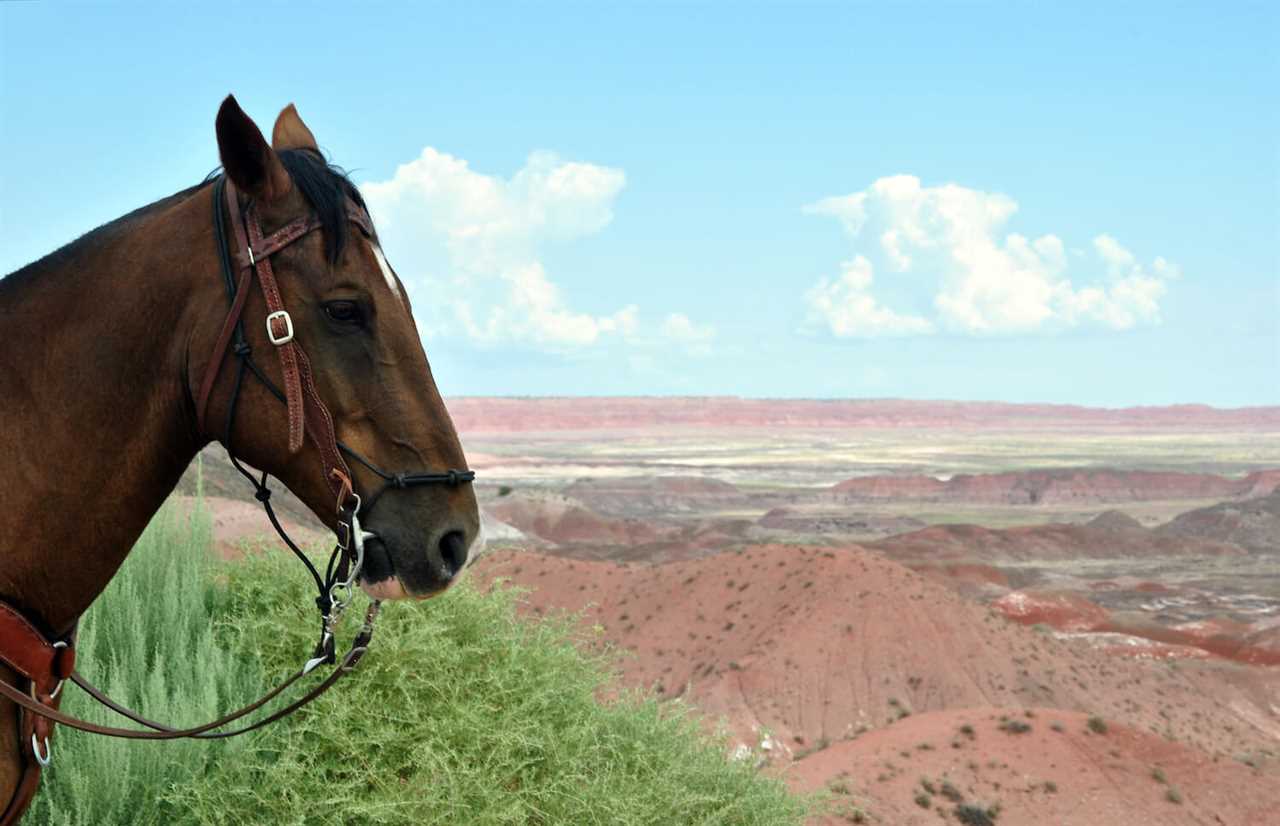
453 551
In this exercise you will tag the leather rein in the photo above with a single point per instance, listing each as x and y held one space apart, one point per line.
46 665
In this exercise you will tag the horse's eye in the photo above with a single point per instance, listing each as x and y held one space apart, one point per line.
343 312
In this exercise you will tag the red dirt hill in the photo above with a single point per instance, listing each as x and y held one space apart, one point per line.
813 643
1058 771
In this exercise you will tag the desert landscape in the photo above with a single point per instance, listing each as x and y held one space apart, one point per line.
934 611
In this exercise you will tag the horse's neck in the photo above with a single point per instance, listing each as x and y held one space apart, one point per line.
97 427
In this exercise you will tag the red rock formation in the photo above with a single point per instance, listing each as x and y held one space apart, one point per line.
1253 524
1061 610
975 543
1055 487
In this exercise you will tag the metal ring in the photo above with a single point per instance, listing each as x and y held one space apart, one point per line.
58 687
35 747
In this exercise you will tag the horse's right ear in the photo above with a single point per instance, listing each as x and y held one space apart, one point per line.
248 159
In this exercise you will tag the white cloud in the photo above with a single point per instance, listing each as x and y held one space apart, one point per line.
469 245
947 239
680 329
846 306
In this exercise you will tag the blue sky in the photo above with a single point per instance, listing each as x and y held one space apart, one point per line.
903 200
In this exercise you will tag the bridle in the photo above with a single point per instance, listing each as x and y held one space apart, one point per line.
45 665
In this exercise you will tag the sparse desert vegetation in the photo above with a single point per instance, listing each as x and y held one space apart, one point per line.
846 640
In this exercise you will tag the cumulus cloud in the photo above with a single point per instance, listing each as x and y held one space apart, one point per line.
469 246
846 306
949 241
678 328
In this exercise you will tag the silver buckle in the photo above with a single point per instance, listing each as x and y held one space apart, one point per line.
288 328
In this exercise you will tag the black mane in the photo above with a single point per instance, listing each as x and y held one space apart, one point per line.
326 188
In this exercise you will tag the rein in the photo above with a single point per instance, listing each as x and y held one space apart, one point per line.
45 666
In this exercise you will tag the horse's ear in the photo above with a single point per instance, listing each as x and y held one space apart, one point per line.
250 164
291 132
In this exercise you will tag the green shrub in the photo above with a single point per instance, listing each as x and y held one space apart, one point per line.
1014 726
1097 725
460 713
971 815
149 642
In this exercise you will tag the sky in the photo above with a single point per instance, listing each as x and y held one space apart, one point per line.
1069 203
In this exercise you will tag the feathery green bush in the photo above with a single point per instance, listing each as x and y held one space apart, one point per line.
149 641
461 713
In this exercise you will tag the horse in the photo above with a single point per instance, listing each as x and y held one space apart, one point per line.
122 361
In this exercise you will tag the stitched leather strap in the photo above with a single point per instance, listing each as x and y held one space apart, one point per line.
25 650
292 231
307 412
247 232
42 666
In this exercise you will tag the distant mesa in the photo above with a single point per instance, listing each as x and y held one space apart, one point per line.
1114 521
844 523
661 495
473 415
1055 487
1116 538
1252 524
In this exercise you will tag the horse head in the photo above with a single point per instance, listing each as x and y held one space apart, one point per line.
348 317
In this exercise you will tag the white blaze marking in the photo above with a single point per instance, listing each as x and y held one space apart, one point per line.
386 270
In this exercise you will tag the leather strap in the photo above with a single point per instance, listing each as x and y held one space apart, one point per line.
292 231
28 785
307 412
220 349
42 666
246 233
206 731
25 650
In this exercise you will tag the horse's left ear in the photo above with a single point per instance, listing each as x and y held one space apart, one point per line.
291 133
250 164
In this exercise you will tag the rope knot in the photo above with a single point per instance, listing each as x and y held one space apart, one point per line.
453 477
242 349
399 482
262 494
